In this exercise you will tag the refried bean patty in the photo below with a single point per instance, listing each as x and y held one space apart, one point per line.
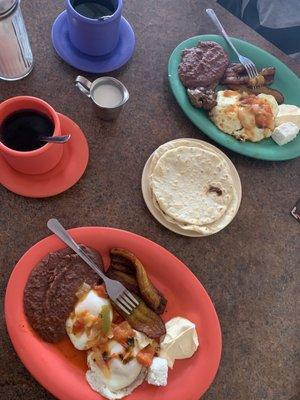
203 65
50 292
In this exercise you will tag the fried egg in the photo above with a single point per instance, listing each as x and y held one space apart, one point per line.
85 325
245 117
114 378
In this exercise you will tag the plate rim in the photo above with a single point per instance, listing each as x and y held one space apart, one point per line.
219 139
56 390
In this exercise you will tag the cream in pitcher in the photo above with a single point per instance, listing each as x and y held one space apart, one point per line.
107 93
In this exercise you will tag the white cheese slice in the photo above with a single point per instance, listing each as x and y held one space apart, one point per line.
285 133
288 113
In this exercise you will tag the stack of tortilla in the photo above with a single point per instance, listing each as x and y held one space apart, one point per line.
192 186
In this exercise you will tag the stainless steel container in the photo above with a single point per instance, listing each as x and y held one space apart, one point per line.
16 60
108 110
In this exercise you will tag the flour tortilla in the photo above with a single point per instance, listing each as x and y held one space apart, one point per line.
178 143
180 181
203 230
207 229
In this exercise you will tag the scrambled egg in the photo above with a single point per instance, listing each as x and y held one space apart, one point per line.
246 117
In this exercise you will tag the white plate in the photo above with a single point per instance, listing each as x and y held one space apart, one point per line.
146 190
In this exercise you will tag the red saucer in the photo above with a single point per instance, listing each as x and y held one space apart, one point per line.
67 172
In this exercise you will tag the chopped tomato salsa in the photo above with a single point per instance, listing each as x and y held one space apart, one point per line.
78 326
100 290
145 356
117 318
123 332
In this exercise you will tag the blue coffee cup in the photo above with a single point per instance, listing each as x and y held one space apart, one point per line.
95 37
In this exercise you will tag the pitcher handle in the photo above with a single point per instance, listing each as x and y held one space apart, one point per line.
84 85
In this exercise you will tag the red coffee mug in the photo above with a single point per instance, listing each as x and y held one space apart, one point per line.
36 161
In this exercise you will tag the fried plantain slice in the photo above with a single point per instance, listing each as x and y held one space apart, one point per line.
121 267
152 296
121 264
258 90
127 280
144 320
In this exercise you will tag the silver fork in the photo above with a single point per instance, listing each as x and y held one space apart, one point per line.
247 63
115 290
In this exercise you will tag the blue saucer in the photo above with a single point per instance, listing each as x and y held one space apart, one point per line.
95 64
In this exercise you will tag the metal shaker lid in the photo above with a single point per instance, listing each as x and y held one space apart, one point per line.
6 6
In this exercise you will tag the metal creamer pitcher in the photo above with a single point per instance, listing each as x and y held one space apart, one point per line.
16 60
105 110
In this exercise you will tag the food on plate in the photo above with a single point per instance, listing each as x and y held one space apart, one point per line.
285 133
91 319
288 113
247 109
55 298
63 295
127 358
145 320
203 65
192 186
236 74
258 90
119 365
218 162
128 269
158 372
127 279
201 97
180 341
114 371
50 292
132 266
245 117
141 339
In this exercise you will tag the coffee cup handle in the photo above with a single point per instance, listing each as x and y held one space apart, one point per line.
84 85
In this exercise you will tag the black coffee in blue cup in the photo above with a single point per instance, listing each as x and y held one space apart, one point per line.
94 9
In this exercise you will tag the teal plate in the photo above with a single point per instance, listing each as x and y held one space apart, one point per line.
285 81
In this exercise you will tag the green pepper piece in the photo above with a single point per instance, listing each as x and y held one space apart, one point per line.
105 319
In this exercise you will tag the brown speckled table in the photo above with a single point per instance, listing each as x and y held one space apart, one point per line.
249 269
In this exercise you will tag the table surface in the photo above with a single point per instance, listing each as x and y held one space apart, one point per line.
249 269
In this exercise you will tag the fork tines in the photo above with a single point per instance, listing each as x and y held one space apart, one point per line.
251 69
127 302
249 66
